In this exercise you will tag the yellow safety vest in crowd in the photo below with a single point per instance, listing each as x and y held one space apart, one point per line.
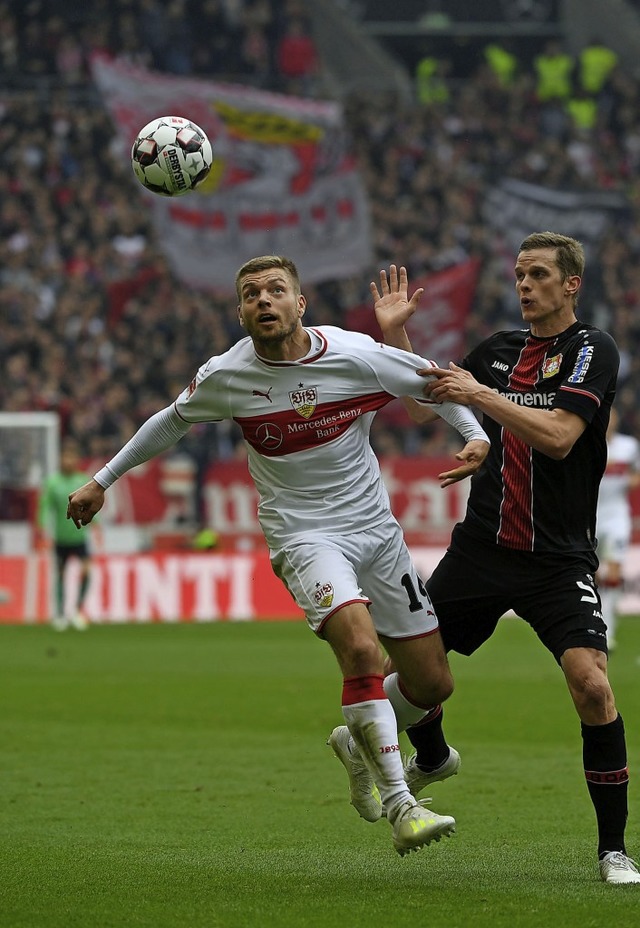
503 64
554 76
583 111
596 64
430 87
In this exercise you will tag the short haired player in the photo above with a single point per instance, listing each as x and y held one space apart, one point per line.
527 542
304 399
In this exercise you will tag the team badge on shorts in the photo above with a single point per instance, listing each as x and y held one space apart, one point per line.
323 595
304 401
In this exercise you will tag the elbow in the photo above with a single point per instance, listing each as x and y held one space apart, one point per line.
418 416
558 450
556 454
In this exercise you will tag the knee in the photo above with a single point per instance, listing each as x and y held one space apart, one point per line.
592 695
361 657
444 685
431 690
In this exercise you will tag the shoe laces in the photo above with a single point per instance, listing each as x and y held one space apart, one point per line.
618 859
407 807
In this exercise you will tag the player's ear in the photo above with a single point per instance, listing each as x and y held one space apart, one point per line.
572 284
240 319
302 305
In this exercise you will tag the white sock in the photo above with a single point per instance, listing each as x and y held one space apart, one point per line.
407 713
373 728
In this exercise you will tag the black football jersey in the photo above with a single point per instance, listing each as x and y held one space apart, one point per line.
522 498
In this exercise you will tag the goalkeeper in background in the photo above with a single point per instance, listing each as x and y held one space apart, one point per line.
56 530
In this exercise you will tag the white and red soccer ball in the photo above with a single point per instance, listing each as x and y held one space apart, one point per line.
171 156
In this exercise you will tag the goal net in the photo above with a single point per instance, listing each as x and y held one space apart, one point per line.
29 453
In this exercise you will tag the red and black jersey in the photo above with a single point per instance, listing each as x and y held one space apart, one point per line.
522 498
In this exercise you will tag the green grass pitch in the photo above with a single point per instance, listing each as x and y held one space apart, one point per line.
177 776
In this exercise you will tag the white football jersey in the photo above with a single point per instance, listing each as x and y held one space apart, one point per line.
613 524
306 424
623 459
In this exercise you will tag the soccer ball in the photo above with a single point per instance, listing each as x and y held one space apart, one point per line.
171 156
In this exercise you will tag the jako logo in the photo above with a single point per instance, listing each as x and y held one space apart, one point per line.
499 365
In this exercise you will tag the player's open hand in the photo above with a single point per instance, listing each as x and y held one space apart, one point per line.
391 304
472 457
84 503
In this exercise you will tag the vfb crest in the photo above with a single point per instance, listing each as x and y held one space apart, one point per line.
304 400
323 595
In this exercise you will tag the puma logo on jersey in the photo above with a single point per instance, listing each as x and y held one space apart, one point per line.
500 365
260 393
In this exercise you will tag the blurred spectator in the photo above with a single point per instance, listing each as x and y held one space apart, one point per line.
297 57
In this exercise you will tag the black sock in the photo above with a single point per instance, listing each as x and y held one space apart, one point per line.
82 592
428 739
604 754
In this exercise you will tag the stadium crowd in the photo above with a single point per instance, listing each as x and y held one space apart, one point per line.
92 323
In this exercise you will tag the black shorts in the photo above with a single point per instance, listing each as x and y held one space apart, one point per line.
66 552
477 582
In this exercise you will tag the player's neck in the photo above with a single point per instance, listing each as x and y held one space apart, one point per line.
553 325
292 348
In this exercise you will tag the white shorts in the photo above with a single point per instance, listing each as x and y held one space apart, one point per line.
323 573
613 530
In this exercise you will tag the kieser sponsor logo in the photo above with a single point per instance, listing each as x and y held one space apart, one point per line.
170 155
582 364
528 399
500 365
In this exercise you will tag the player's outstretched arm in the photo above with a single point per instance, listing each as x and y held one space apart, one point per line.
155 435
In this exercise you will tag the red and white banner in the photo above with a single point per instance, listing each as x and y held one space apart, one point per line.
191 587
187 587
283 180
